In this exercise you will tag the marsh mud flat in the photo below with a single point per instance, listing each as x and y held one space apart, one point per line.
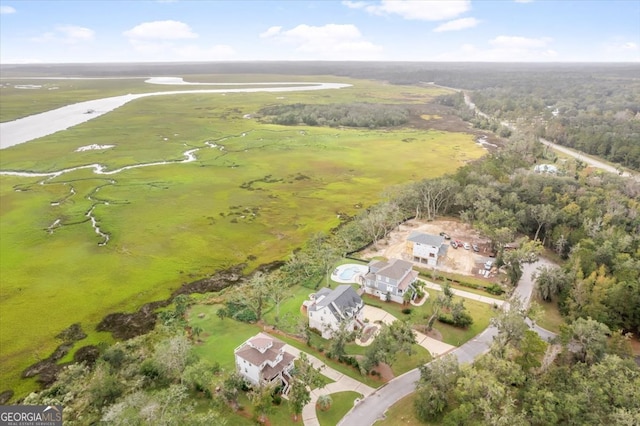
125 326
47 123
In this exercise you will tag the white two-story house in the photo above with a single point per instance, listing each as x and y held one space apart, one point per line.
328 308
424 248
262 359
390 280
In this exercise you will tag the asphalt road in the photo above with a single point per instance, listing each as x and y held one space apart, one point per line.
373 407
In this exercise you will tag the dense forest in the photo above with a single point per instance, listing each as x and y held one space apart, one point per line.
352 115
587 377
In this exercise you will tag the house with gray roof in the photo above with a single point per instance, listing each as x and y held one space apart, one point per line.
425 248
390 279
328 309
262 360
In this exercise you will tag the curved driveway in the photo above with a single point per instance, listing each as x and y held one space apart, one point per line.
373 407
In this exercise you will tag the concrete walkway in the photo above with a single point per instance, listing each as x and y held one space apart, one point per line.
372 408
466 294
344 383
435 347
341 383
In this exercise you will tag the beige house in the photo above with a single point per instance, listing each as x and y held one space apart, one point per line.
424 248
262 359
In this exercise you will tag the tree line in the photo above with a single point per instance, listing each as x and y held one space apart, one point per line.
334 115
586 376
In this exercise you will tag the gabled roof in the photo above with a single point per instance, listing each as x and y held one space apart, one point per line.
427 239
256 357
395 269
343 298
269 372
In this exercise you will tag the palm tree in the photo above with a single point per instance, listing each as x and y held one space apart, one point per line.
324 402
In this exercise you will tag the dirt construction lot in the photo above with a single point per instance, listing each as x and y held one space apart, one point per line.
455 260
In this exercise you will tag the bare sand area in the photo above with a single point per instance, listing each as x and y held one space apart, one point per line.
38 125
458 260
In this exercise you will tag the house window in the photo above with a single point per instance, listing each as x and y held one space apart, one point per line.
432 255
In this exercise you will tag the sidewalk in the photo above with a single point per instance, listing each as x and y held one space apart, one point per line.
435 347
466 294
341 383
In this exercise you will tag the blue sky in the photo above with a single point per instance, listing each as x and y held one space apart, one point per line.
50 31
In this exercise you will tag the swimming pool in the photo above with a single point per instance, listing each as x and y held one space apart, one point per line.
349 271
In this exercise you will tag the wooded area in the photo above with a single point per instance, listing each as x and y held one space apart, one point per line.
350 115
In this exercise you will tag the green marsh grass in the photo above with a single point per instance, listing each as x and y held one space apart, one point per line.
254 202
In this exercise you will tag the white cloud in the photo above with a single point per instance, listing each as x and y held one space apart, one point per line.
168 50
160 30
620 49
271 32
515 42
421 10
72 32
7 10
355 4
456 25
68 34
170 41
504 49
331 41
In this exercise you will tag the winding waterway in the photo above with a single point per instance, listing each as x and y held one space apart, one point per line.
29 128
38 125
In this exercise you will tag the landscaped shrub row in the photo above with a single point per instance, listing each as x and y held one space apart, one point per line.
494 289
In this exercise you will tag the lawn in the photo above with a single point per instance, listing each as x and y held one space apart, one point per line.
480 312
401 413
253 199
550 319
220 337
342 368
342 403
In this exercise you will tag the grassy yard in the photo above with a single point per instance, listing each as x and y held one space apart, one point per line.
342 403
401 413
480 312
342 368
455 279
551 318
219 337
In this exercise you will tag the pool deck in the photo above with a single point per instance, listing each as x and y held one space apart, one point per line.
335 276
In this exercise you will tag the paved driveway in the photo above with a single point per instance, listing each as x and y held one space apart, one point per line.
341 383
435 347
373 407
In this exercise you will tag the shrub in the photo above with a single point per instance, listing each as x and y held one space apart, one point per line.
406 311
150 370
494 289
276 399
